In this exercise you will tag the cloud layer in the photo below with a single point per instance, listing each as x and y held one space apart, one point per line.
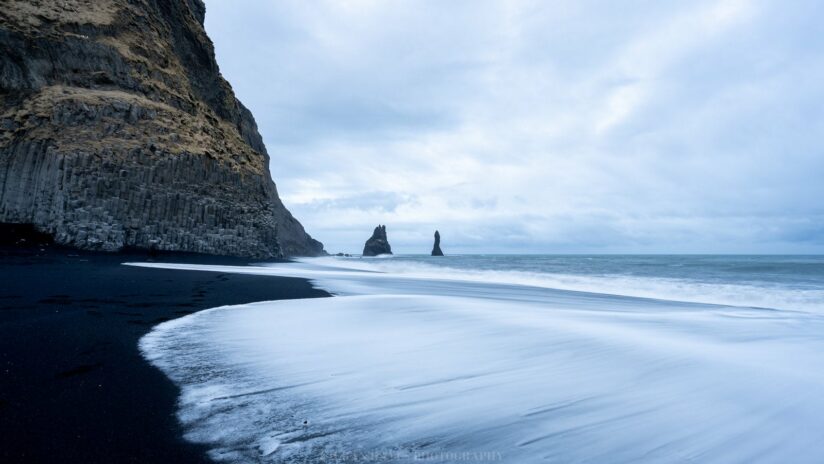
539 126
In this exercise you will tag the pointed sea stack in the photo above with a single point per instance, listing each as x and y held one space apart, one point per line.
377 243
436 250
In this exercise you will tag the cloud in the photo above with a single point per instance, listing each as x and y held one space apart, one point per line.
536 126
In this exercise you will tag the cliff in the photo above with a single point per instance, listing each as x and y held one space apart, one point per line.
117 129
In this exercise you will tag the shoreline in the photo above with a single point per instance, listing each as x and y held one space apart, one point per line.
491 371
74 384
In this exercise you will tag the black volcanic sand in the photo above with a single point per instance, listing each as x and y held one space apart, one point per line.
73 386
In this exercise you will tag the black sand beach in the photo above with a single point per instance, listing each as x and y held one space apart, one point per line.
73 386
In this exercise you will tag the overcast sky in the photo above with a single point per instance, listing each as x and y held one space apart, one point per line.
539 126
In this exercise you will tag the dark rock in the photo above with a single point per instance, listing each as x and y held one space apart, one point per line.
23 235
119 131
377 243
436 250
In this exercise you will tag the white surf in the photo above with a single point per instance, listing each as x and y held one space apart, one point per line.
404 367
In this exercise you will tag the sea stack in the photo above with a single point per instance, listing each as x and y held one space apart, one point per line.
117 130
436 250
377 243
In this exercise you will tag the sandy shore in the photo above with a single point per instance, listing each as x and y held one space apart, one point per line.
73 386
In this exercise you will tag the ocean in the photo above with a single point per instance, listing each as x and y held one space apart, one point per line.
510 358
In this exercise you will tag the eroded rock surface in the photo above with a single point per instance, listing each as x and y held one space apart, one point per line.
117 129
377 243
436 249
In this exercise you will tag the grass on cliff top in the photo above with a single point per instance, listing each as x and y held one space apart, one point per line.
100 122
25 15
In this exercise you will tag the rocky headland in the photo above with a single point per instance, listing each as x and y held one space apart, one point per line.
117 130
377 244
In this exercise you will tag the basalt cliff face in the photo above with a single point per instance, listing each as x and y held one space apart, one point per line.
117 129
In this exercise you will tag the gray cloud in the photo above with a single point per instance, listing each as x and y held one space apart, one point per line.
539 126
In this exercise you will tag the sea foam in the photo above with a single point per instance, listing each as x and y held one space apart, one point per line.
404 368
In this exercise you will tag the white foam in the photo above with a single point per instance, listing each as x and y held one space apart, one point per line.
761 295
407 368
333 274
